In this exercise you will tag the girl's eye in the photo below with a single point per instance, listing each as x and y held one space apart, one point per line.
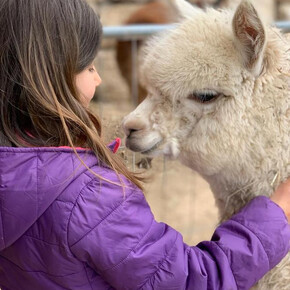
92 69
203 97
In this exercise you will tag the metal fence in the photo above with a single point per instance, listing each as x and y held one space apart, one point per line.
136 32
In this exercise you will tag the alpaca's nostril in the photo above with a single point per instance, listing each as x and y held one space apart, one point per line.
130 131
131 125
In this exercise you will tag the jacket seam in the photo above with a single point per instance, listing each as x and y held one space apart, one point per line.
132 250
37 182
31 271
65 202
258 238
160 264
103 218
70 215
2 223
45 242
85 268
229 264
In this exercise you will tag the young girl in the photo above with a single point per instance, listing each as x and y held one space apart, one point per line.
72 216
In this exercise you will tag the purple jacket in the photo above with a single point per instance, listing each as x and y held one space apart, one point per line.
63 228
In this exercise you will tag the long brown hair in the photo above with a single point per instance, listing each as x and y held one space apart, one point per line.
43 45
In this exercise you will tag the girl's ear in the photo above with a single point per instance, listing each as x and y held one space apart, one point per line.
250 36
187 10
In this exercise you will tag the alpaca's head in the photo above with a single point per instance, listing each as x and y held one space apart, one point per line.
213 84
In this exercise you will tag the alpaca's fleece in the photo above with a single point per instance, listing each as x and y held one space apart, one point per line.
218 101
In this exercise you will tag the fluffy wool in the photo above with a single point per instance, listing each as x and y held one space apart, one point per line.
238 139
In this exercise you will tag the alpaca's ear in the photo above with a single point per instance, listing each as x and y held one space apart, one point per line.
187 10
250 36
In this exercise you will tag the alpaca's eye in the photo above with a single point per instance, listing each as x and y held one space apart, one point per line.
203 97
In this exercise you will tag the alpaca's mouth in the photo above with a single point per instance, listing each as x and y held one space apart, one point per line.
153 148
144 143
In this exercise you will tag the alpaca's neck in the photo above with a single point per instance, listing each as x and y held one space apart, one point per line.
233 192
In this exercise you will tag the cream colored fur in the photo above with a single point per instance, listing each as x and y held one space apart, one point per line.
239 142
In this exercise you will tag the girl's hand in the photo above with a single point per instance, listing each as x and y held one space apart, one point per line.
282 197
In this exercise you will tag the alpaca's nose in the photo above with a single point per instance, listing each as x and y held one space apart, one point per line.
132 126
130 131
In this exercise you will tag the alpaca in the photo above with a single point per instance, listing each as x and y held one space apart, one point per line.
218 100
164 11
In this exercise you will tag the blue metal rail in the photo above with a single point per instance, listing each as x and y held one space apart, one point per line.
131 32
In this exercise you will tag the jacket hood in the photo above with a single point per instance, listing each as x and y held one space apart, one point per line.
30 180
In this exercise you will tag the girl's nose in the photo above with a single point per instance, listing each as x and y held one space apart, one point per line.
98 79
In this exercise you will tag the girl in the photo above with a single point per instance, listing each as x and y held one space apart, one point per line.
72 216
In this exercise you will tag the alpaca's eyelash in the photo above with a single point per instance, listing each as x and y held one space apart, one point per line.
203 97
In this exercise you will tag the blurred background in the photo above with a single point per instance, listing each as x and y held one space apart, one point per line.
177 195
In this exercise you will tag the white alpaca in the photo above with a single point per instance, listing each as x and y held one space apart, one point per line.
219 101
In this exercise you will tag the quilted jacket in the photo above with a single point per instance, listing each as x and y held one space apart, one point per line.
61 227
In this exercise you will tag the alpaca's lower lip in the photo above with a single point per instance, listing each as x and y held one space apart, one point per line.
152 148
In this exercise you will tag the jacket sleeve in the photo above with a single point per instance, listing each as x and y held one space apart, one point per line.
130 250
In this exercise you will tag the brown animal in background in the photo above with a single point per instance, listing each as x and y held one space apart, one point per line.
155 12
